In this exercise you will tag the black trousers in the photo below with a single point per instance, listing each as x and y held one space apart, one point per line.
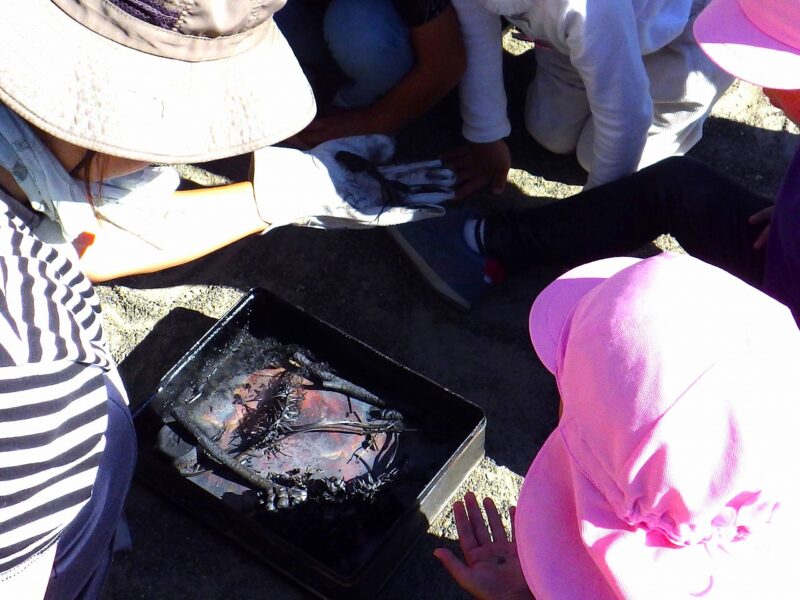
706 211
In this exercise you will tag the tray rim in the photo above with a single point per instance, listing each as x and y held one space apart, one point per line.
352 579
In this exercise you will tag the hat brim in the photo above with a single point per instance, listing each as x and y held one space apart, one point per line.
553 558
98 94
566 555
554 304
737 46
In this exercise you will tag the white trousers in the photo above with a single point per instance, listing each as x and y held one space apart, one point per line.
684 85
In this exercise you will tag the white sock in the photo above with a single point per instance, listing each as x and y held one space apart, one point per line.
473 234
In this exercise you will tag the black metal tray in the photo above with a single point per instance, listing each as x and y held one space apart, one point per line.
333 551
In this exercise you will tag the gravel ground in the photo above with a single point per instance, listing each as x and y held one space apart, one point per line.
360 282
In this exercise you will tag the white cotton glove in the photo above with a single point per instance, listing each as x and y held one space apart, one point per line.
315 189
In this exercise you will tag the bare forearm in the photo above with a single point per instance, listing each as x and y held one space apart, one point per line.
440 60
193 224
415 95
440 64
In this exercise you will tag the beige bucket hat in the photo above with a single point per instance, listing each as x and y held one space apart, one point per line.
165 81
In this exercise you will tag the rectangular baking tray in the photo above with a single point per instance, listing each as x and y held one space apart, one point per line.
346 554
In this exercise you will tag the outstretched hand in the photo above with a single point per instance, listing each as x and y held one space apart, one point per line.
490 569
347 183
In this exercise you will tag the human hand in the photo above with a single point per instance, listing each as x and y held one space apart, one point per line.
477 165
762 217
346 123
491 568
337 184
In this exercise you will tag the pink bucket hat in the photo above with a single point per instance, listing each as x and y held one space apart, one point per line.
755 40
673 471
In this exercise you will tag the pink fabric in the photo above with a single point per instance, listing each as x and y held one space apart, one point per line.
551 306
779 19
755 40
672 472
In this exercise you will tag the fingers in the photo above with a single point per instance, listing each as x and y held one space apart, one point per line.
496 526
467 187
761 240
762 216
466 537
479 529
759 218
457 569
476 166
499 181
463 167
460 160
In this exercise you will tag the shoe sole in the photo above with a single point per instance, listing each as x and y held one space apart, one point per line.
427 273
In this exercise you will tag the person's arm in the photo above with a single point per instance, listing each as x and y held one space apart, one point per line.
486 159
482 92
342 183
192 224
490 569
440 63
604 48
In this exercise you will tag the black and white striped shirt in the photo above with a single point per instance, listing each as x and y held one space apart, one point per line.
52 391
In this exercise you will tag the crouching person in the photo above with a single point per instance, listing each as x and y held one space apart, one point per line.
671 473
67 444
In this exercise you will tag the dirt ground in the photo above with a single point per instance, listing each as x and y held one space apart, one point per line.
360 282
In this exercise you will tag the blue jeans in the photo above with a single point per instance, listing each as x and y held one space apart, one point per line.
366 39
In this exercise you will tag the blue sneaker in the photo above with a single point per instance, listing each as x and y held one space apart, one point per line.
437 248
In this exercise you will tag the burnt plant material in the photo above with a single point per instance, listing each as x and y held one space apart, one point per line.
393 192
292 431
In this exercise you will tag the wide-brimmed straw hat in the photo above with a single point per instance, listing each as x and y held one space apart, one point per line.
673 471
755 40
155 80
